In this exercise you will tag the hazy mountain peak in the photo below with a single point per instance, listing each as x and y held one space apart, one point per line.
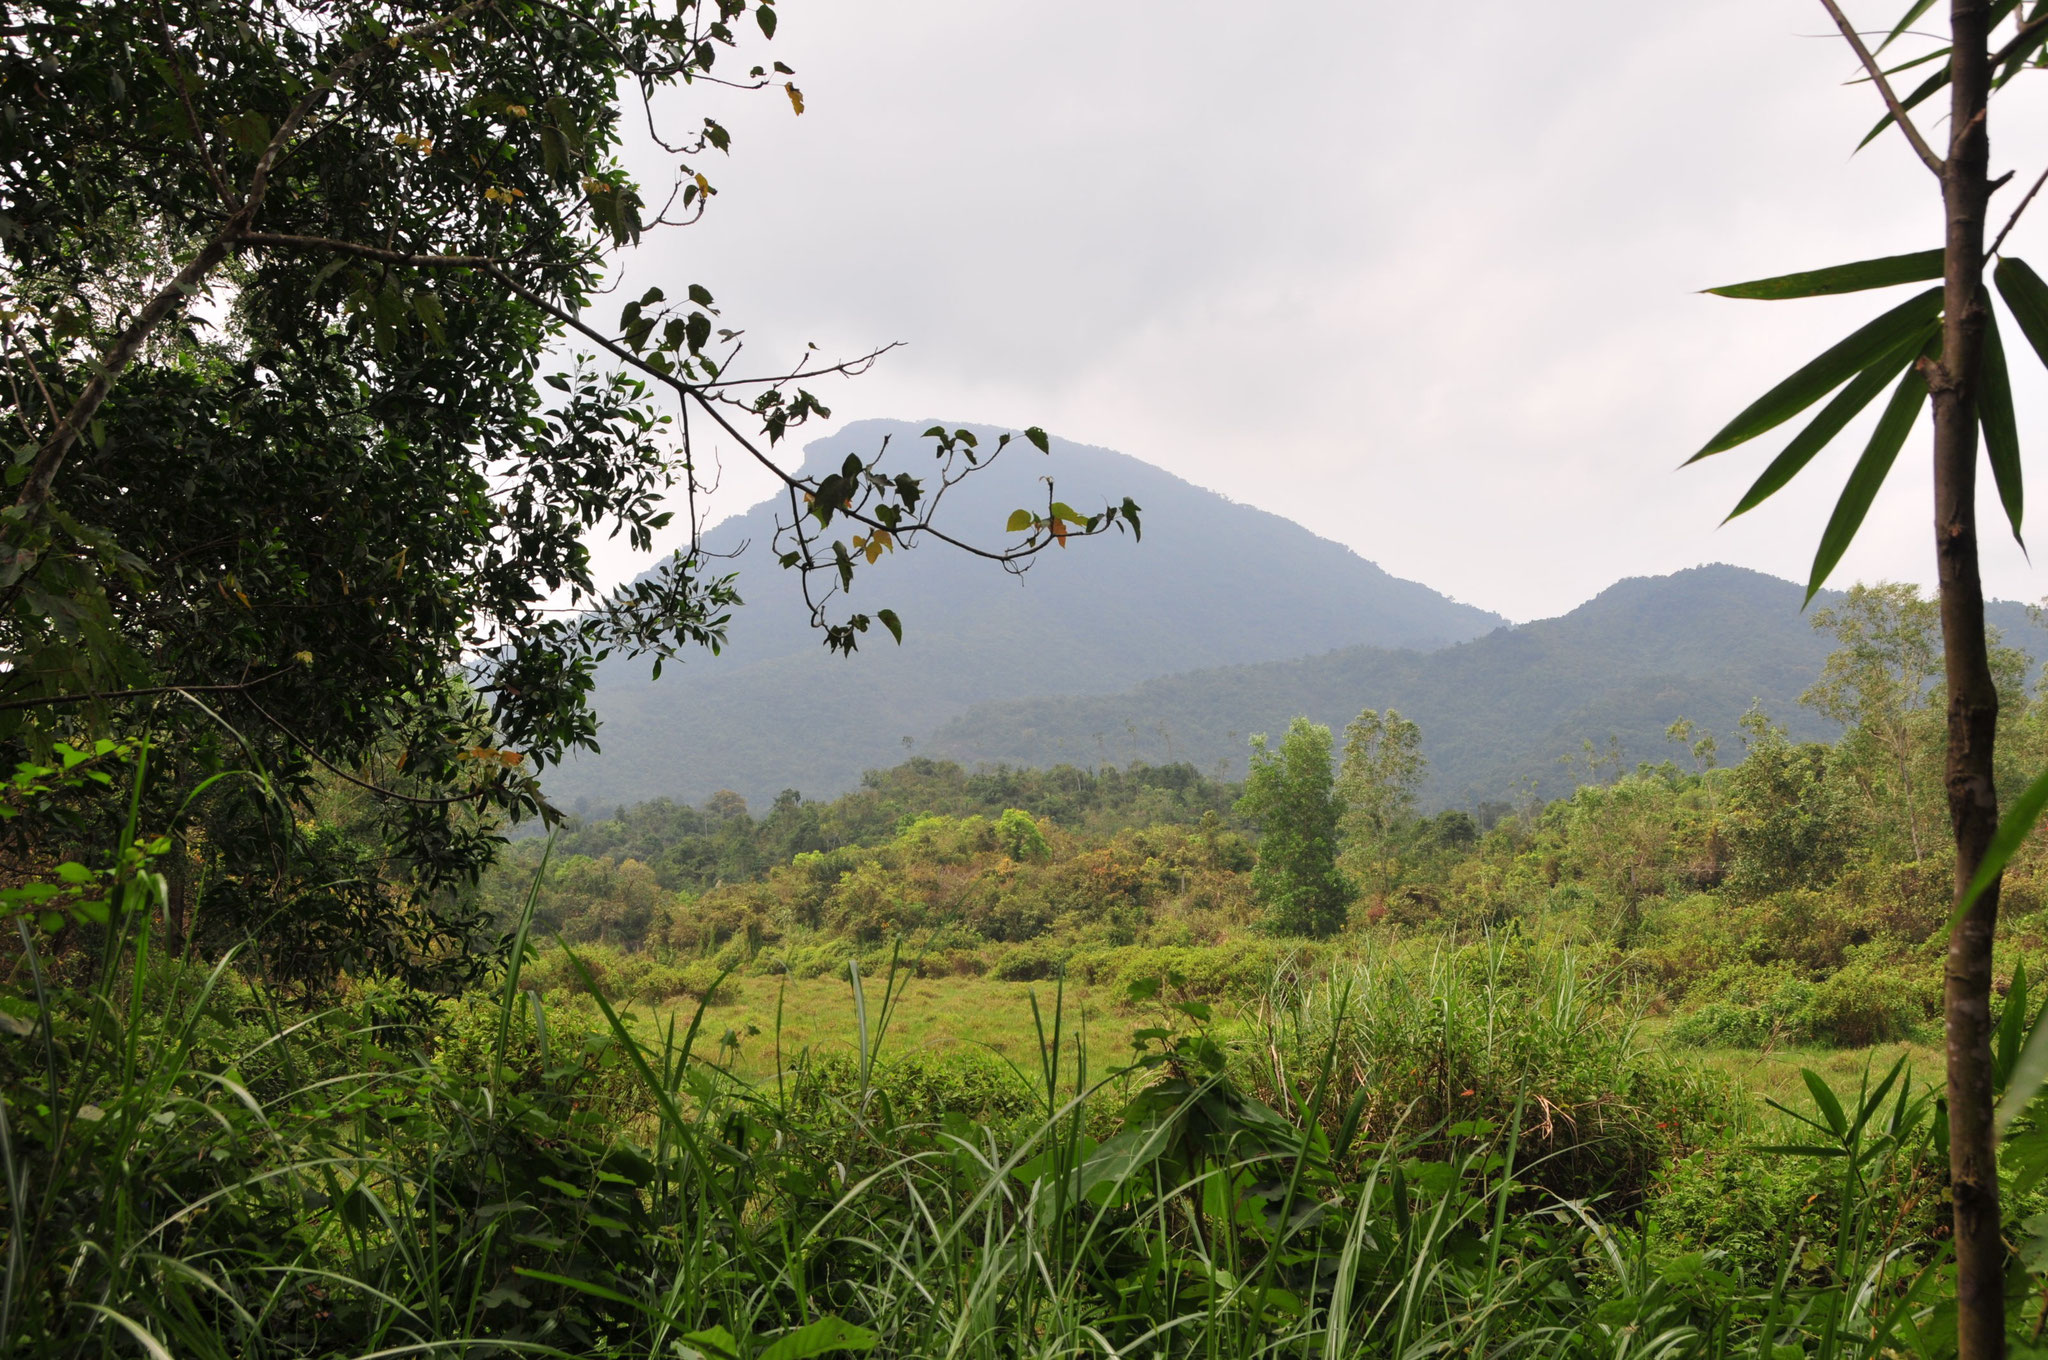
1212 583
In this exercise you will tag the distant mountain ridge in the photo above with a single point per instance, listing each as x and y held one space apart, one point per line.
1213 583
1496 712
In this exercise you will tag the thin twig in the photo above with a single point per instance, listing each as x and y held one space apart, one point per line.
144 693
171 56
1884 87
2026 31
2010 222
707 401
364 784
339 247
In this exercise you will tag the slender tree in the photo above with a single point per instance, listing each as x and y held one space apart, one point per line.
1941 345
1291 795
1875 683
1383 765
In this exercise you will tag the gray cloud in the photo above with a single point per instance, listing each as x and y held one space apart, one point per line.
1422 277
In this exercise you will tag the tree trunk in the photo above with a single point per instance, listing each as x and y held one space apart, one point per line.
177 895
1973 697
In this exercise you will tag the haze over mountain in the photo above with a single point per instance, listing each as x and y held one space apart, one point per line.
1496 712
1224 621
1212 583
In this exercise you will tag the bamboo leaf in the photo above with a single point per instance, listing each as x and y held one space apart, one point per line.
1912 101
1841 278
1869 474
2023 1082
2021 54
2001 426
1920 7
1836 415
2012 830
1824 1100
2010 1034
2027 296
1823 375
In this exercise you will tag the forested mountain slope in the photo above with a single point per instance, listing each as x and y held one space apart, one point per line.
1496 711
1212 583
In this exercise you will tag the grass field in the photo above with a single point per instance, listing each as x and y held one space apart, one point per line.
929 1014
933 1014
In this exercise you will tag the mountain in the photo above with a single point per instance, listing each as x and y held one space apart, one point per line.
1497 711
1213 583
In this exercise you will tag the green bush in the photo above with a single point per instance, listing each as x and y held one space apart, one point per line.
622 975
1867 1002
1018 835
1239 969
923 1086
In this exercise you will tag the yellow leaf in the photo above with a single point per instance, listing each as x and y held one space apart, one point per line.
796 97
704 185
516 110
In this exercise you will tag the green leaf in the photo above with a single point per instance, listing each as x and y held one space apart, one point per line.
1833 417
2027 296
765 17
1869 474
580 1286
826 1334
2012 832
716 1342
2029 1070
1920 7
2008 1036
2026 1156
1842 278
1824 374
892 623
2020 56
1020 520
2001 426
1910 102
1824 1100
1038 439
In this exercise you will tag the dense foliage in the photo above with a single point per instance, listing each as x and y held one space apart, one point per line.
1790 895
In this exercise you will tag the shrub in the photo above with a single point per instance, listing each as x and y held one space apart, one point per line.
1019 837
1029 963
923 1086
1866 1003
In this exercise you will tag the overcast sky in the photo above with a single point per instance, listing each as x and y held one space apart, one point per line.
1422 277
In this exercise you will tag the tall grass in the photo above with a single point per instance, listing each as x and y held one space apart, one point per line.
1461 1156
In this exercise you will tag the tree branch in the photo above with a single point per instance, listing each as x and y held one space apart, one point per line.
144 693
2026 31
379 253
377 789
43 471
692 392
2013 221
1884 87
